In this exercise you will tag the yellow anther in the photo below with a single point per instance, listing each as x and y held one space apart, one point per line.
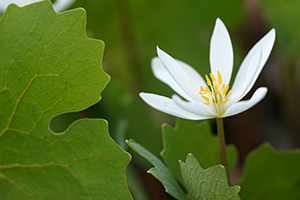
207 80
216 93
202 90
225 88
213 78
219 78
225 101
205 98
208 91
227 95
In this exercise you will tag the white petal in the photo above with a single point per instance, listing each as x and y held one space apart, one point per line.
221 53
4 3
238 92
179 75
193 74
161 73
264 46
61 5
242 106
197 108
167 105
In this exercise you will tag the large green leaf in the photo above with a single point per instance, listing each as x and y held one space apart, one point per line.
197 139
48 66
160 171
206 184
271 174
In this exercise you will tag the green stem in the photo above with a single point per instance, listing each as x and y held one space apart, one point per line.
222 145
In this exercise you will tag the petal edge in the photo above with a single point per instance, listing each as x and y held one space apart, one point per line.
221 52
242 106
168 106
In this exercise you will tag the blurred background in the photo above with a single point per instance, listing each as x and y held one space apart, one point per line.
131 31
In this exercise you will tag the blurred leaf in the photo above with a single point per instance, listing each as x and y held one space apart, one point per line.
271 174
283 16
135 183
197 139
49 67
206 184
160 171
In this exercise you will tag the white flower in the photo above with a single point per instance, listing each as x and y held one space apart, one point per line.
59 5
211 99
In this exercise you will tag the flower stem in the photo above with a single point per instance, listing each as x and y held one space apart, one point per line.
222 144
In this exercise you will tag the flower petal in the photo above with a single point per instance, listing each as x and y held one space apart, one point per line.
61 5
197 108
179 75
221 53
20 3
239 92
193 74
168 106
264 46
242 106
161 73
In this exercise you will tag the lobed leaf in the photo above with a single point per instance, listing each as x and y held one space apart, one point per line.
197 139
161 172
48 66
206 184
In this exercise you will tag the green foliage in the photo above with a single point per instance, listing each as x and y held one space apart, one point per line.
206 184
197 139
161 172
283 16
48 66
271 174
131 30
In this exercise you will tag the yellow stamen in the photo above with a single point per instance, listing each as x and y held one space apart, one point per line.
213 78
219 78
225 89
225 101
202 90
207 80
208 91
205 98
227 95
215 94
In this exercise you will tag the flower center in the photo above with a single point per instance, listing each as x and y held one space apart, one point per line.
217 95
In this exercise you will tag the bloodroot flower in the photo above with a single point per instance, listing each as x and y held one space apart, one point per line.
211 97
